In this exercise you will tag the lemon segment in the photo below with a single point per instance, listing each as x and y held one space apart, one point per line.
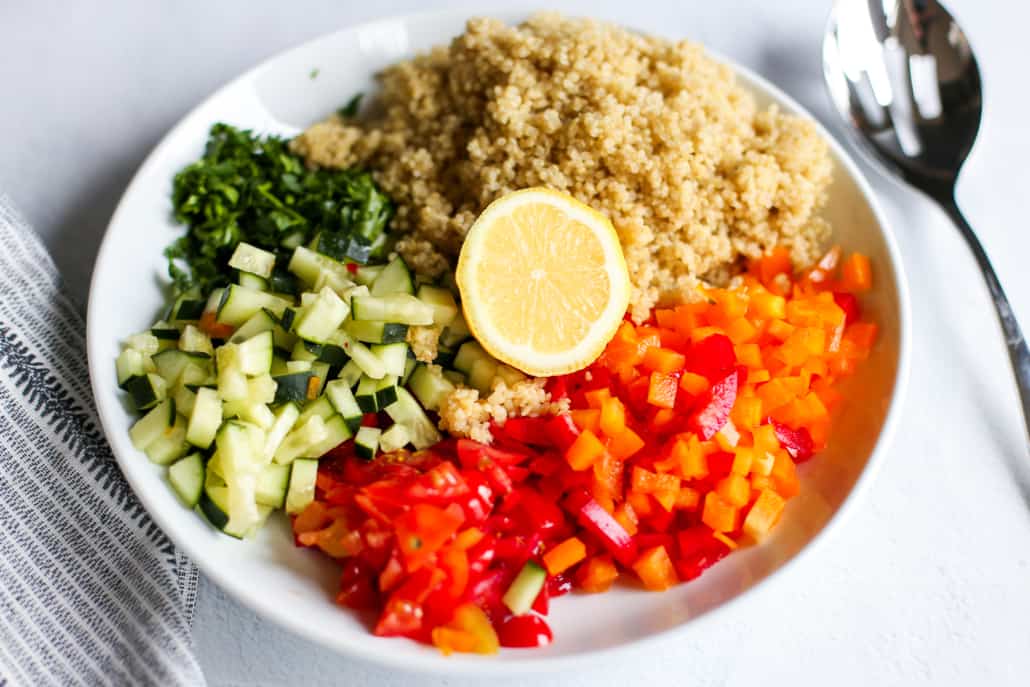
543 281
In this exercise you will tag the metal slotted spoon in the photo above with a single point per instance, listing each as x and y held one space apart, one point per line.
904 79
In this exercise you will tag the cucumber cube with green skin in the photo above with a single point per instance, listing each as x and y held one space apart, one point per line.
205 419
153 425
248 258
186 476
301 493
445 309
322 318
395 438
285 418
366 442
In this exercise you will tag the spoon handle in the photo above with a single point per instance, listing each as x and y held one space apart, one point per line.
1014 339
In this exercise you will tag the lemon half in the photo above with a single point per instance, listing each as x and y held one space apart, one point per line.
543 281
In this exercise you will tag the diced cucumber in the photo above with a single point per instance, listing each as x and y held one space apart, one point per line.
298 366
147 391
285 419
393 357
272 483
144 342
154 425
248 258
331 353
364 358
444 355
482 374
292 387
366 274
239 304
300 439
320 407
186 476
187 309
254 413
171 363
319 371
197 374
301 493
337 432
165 332
185 399
467 356
309 265
205 419
365 394
287 319
508 374
171 445
323 317
232 382
429 386
409 367
239 445
525 588
278 365
350 373
366 442
255 354
456 333
376 332
395 438
214 299
397 307
195 341
442 303
214 505
394 278
131 363
342 399
406 411
249 280
305 351
456 378
386 391
261 321
261 389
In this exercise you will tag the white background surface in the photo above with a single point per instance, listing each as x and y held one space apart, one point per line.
928 581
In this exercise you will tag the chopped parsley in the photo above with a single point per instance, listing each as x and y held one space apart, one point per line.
251 188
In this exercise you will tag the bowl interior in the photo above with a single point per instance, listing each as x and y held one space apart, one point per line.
295 587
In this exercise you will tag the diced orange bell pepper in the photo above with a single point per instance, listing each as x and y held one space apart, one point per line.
763 514
734 490
767 306
586 419
627 517
661 391
747 412
655 569
625 444
585 450
779 329
565 555
688 498
784 475
856 274
741 330
597 574
718 514
663 360
694 384
613 416
597 397
773 263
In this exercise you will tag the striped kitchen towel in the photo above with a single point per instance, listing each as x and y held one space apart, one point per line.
91 591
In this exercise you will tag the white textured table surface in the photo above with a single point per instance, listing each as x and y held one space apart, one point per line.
928 582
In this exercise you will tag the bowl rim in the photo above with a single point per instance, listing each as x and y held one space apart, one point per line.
476 665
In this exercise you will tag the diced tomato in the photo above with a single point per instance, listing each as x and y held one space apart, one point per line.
524 631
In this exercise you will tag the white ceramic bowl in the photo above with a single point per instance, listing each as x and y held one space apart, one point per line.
295 587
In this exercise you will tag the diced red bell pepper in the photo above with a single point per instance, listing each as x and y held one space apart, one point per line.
558 585
402 615
524 631
542 603
593 517
471 453
529 430
715 406
443 484
712 357
848 302
797 442
424 529
357 589
562 431
540 514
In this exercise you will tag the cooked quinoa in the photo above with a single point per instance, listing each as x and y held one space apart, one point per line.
464 413
653 133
